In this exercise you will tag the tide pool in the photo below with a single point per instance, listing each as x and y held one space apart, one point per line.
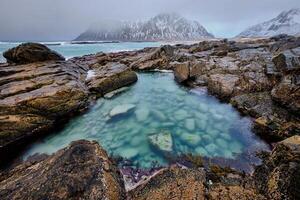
156 119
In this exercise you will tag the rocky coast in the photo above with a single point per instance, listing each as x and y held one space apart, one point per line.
39 91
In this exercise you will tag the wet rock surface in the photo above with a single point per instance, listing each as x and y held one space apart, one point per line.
80 171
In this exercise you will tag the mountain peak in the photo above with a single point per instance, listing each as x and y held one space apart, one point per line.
287 22
164 26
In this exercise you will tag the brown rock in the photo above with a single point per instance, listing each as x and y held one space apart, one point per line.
171 184
33 97
287 93
222 192
30 53
157 58
279 175
111 77
223 85
80 171
288 60
181 71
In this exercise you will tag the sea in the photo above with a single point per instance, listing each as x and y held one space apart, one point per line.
73 49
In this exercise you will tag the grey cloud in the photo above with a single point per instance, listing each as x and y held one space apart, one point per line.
65 19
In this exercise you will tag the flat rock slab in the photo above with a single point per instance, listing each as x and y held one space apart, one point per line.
33 97
110 77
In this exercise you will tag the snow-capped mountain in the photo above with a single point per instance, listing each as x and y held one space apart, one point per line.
287 22
159 28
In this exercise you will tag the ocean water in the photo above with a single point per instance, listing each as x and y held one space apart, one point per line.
69 50
156 119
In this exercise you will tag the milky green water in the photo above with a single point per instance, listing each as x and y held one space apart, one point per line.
197 123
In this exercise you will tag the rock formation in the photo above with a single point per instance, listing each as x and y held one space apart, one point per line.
80 171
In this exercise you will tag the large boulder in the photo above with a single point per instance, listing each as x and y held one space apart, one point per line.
80 171
110 77
30 53
279 175
34 97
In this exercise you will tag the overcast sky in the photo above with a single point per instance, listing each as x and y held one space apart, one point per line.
50 20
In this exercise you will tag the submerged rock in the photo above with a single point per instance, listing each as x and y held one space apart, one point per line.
116 92
142 114
162 141
30 53
80 171
121 109
190 139
190 124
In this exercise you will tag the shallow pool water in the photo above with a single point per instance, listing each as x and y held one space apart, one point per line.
156 119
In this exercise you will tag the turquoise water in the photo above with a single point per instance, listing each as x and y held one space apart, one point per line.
71 50
156 119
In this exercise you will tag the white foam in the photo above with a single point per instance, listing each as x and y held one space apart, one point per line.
90 75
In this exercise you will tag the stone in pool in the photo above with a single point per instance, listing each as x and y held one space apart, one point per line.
162 141
121 109
190 139
142 114
190 124
129 153
115 92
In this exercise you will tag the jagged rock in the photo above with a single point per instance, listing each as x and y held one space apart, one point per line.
80 171
287 93
173 184
111 77
30 53
272 122
279 175
223 85
156 59
34 97
288 60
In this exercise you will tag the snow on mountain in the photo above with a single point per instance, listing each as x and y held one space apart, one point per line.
159 28
287 22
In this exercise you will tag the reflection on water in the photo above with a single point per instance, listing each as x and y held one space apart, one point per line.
155 119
